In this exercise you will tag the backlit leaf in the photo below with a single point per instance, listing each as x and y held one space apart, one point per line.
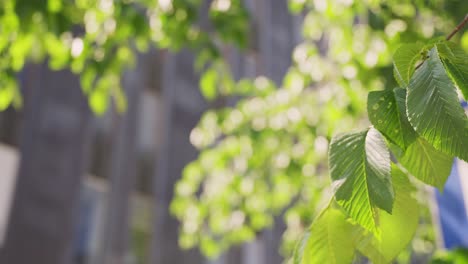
299 250
330 240
360 170
426 163
397 228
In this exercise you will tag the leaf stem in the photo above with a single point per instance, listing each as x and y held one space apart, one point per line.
458 27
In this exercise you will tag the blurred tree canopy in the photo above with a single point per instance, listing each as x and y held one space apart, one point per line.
266 155
97 39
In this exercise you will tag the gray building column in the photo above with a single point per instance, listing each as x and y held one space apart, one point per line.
278 36
183 106
53 150
123 167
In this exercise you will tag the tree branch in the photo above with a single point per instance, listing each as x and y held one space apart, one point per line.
459 26
449 36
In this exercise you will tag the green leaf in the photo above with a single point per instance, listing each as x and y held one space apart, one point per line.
98 101
398 228
54 6
120 99
299 250
455 61
457 256
330 240
360 170
8 90
404 61
208 84
296 6
434 110
387 112
426 163
87 79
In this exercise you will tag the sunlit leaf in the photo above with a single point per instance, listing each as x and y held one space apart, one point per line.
397 228
360 170
426 163
330 240
300 247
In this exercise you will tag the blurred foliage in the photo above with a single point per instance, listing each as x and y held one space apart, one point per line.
97 39
456 256
267 155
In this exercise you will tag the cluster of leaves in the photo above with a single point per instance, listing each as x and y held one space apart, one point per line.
425 126
268 155
98 39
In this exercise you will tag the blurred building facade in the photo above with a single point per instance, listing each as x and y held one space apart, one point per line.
76 188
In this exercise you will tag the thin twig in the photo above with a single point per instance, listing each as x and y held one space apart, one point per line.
459 26
449 36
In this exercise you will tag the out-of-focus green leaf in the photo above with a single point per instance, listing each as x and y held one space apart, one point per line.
209 247
120 99
296 6
208 84
54 6
455 256
7 94
98 101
